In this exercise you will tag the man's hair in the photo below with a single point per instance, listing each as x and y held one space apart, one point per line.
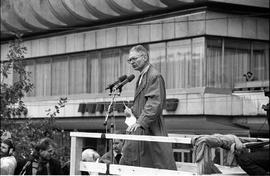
9 142
44 143
140 49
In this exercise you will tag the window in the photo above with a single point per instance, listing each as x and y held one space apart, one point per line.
260 61
196 64
59 75
238 53
178 61
77 74
110 67
226 67
215 70
43 77
189 63
157 54
93 73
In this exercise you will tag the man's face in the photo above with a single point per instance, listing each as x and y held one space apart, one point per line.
137 60
47 154
4 150
117 145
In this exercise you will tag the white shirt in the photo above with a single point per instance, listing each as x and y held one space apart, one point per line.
142 73
8 165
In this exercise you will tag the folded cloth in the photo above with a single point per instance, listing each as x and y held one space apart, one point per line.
203 143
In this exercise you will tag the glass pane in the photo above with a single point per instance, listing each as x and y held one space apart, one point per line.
93 73
196 76
126 69
178 60
59 76
240 53
260 61
214 66
110 65
43 78
77 74
157 55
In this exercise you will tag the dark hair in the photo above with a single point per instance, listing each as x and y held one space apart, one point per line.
9 142
44 144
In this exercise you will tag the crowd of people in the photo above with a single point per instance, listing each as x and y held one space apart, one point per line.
149 101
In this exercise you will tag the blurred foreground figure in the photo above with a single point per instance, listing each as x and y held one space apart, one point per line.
42 161
8 161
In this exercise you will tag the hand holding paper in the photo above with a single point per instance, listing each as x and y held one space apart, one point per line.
130 118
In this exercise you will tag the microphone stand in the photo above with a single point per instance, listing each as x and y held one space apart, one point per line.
113 93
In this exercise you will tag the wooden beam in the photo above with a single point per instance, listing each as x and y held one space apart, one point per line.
182 140
129 170
75 155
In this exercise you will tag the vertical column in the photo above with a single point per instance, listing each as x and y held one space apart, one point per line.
75 155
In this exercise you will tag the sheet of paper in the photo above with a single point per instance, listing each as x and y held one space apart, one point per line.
130 120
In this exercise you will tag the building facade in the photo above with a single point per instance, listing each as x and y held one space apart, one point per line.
202 48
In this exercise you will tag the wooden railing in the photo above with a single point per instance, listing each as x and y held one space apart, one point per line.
76 165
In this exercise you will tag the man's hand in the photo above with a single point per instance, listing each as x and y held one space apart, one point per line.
127 111
133 127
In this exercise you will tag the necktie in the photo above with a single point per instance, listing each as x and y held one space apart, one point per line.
139 80
117 157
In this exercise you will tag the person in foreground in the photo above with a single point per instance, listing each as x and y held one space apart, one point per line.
8 162
42 161
149 101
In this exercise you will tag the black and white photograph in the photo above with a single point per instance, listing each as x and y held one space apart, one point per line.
135 87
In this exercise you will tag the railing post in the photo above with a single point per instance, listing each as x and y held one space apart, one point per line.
75 155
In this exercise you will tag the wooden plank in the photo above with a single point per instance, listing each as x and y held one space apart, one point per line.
189 169
129 170
75 155
183 140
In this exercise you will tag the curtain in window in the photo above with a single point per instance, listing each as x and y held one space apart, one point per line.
196 64
157 54
43 77
77 74
214 73
110 66
93 73
126 69
260 61
240 53
60 76
178 60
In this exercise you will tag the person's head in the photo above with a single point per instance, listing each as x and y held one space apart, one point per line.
90 155
7 148
46 148
249 74
138 57
118 145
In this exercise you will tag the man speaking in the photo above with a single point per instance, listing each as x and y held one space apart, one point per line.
149 101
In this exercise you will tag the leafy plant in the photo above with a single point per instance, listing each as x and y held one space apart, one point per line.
27 131
11 94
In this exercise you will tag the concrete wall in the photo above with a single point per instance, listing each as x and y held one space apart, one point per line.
189 25
190 103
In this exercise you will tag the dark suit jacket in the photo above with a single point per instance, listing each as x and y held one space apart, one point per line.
55 168
149 101
107 158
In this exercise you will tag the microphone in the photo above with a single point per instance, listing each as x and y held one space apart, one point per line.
120 79
129 79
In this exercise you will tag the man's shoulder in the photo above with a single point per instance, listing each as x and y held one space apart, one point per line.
9 158
153 72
